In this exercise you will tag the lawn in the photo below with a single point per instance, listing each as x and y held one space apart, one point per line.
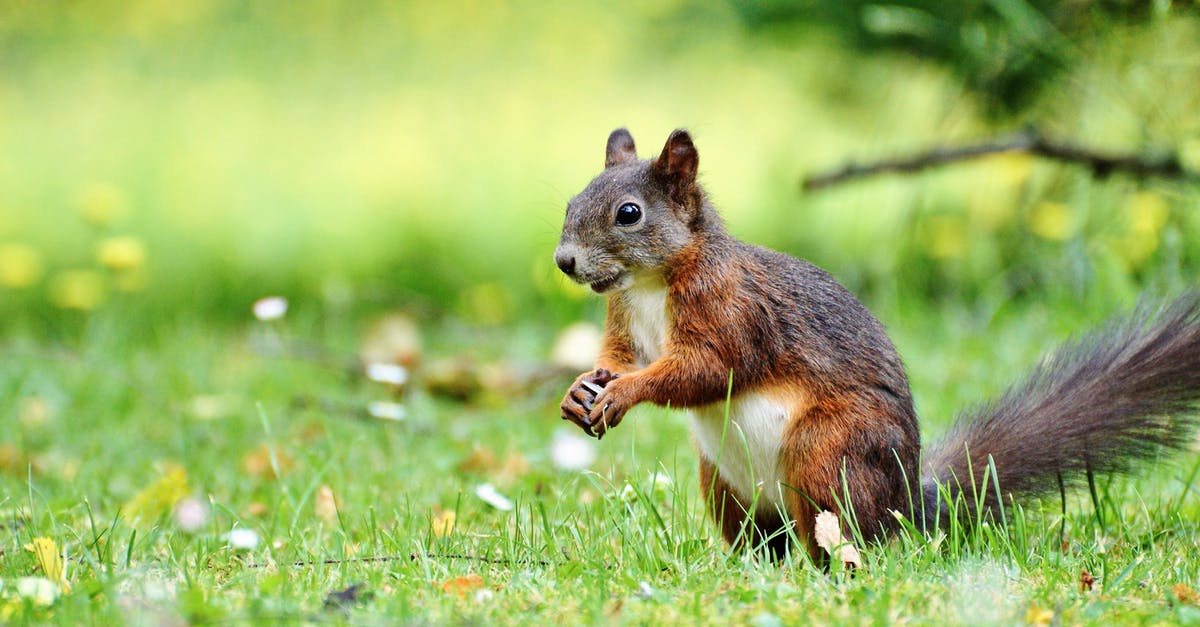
175 449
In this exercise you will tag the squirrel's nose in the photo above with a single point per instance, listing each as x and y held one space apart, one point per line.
566 263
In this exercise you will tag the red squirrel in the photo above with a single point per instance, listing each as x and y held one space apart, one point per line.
820 416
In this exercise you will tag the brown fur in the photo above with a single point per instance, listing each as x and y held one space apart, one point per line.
780 325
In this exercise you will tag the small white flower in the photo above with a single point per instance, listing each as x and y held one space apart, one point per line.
490 495
191 514
270 308
628 494
242 539
387 373
386 410
572 452
483 595
38 590
644 590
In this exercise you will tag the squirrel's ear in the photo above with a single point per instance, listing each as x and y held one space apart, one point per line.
677 164
620 148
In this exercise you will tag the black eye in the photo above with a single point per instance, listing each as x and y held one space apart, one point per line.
628 214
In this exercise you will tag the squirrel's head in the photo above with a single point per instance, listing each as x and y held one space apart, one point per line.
634 216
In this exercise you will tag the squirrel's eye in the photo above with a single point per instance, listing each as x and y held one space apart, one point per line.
628 214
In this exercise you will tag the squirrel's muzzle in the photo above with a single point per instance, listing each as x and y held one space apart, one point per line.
565 260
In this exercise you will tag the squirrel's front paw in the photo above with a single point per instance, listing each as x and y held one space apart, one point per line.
618 397
581 397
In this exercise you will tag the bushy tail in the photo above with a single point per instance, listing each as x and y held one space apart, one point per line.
1102 403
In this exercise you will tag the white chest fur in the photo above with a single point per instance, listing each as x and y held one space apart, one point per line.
646 303
748 460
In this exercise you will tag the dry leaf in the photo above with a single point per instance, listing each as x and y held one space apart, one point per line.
462 585
256 508
1038 616
443 522
49 559
257 463
481 460
393 339
1086 581
1185 594
828 535
159 497
325 505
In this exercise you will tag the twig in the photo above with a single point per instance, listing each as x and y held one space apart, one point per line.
410 557
1031 142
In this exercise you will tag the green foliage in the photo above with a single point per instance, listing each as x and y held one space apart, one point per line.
1006 51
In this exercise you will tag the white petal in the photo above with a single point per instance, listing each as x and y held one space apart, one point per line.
242 538
270 308
490 495
386 410
387 373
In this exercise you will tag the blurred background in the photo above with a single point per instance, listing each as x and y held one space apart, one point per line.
180 160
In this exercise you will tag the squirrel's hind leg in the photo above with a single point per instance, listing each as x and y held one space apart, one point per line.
764 530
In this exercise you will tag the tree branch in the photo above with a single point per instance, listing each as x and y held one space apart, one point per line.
1030 142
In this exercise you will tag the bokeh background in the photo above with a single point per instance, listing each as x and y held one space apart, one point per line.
168 160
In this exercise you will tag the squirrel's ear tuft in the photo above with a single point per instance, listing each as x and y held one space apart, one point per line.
620 148
678 163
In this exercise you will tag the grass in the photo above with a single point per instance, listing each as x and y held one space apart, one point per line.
118 412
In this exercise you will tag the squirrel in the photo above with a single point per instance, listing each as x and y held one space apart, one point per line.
799 403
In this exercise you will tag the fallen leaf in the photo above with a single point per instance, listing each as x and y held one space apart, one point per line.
481 460
456 378
462 585
159 497
392 339
828 534
1038 616
49 560
1186 594
258 464
256 508
1086 581
442 523
325 505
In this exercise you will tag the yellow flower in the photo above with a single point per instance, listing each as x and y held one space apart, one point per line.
101 204
121 253
45 552
1053 220
20 265
78 289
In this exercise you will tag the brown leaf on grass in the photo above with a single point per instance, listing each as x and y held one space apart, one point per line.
392 339
462 585
828 534
484 461
325 505
481 460
1086 581
258 463
1185 594
256 509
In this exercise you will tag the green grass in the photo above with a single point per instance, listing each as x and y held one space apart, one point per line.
577 548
